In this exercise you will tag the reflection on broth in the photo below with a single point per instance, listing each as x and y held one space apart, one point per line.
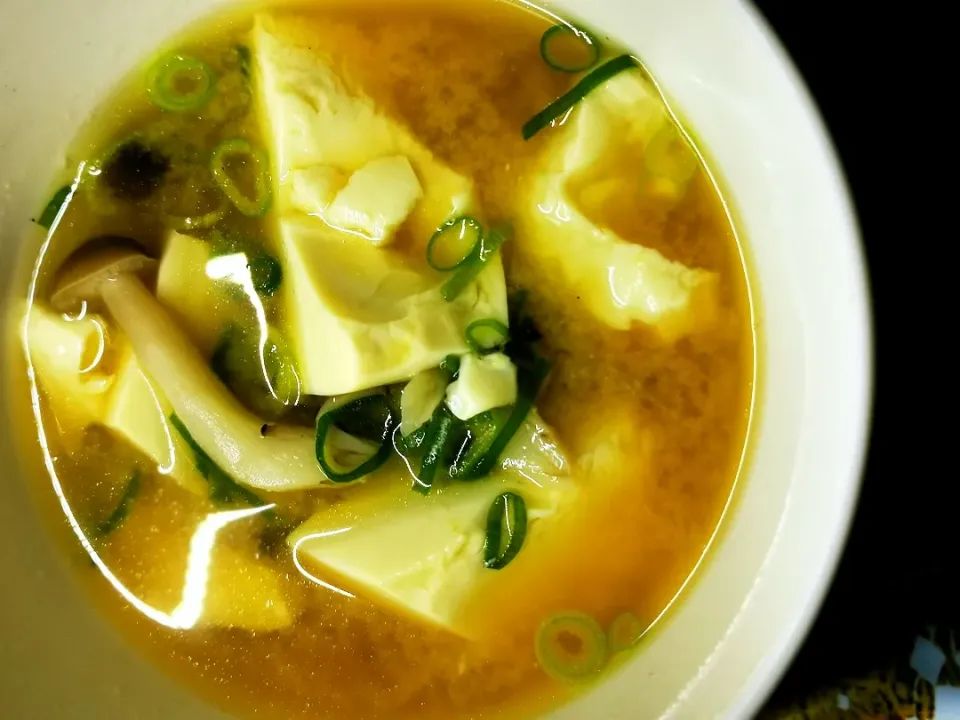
388 362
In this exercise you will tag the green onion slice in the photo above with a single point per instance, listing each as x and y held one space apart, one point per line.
529 380
180 83
487 336
451 366
440 433
453 242
482 432
569 49
481 255
669 155
122 509
568 100
239 154
624 632
50 212
571 647
243 59
507 512
266 273
223 488
354 437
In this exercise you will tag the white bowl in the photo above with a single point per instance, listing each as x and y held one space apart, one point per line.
740 621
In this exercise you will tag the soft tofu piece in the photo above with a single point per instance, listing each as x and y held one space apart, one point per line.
484 383
314 116
138 412
620 282
420 398
421 556
195 300
63 354
314 188
376 200
358 316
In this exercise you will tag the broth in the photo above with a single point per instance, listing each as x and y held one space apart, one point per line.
653 430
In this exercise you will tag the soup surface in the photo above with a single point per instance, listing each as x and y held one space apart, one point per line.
521 366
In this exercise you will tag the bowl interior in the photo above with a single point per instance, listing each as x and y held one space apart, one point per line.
737 624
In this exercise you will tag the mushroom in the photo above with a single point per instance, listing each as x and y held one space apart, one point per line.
107 270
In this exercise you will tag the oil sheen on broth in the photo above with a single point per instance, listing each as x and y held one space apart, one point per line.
300 175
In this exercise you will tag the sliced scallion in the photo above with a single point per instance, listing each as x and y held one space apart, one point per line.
483 430
451 366
487 335
222 487
266 273
624 632
122 509
243 59
508 512
569 49
181 83
453 242
436 445
482 253
50 212
571 647
529 380
568 100
354 437
238 151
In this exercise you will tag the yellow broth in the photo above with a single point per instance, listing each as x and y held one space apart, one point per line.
464 79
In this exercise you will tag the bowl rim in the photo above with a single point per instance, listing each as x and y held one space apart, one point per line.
788 642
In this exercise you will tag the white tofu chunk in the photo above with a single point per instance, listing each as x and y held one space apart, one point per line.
138 412
314 188
313 117
189 293
358 316
420 398
620 282
420 556
484 383
376 200
64 354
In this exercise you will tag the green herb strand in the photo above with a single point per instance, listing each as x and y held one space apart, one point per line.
509 511
568 100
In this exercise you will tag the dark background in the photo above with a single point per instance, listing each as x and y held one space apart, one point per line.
898 574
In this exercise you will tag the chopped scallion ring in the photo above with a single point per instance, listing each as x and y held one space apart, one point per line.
571 647
529 380
354 437
266 273
569 49
122 509
487 336
624 632
50 212
482 253
240 151
453 242
440 431
568 100
180 83
451 366
507 512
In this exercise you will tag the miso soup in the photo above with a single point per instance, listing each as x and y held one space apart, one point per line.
392 360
